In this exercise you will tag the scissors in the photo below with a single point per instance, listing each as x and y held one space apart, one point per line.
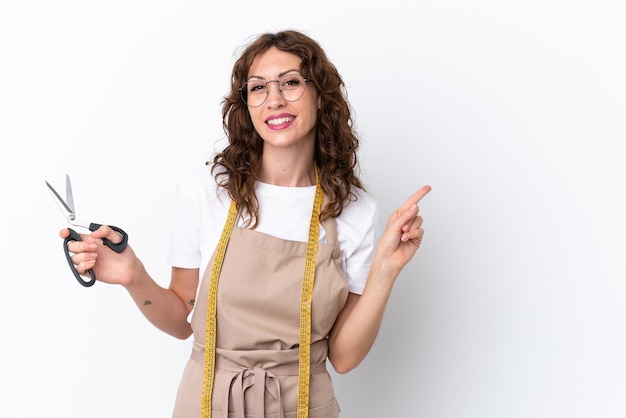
67 207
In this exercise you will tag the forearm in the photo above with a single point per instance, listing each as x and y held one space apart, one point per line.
161 306
357 328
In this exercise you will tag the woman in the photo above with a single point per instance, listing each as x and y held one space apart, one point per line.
276 240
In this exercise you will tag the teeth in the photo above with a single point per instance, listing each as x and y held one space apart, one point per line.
278 121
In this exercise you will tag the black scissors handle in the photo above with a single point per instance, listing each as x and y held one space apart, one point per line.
74 236
119 247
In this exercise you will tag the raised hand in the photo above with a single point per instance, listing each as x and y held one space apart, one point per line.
403 234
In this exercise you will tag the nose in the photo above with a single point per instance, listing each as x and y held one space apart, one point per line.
274 96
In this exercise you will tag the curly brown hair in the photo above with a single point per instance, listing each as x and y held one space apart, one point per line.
336 142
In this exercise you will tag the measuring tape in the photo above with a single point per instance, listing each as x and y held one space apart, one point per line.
211 313
306 299
304 349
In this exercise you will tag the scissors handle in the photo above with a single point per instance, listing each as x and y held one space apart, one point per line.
74 236
117 247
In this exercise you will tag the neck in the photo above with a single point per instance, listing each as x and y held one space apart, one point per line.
289 173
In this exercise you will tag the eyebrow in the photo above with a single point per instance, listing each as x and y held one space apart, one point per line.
284 73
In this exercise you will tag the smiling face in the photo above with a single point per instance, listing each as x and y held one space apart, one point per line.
281 123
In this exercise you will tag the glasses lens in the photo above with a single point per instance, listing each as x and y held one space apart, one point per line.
292 87
253 93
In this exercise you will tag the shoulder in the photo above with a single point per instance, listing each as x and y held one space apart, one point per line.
360 218
199 185
363 205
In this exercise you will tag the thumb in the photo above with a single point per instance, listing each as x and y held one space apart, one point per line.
105 231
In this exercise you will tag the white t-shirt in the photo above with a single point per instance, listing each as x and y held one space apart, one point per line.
284 212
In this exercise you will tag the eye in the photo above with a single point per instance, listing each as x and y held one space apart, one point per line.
256 87
290 82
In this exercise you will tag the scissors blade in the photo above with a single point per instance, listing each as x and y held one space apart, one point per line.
60 200
68 193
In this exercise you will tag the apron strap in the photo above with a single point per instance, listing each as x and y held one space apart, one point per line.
260 379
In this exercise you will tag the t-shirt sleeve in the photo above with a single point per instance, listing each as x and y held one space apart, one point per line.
362 233
184 248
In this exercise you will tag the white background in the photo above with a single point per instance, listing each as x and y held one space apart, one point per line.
512 111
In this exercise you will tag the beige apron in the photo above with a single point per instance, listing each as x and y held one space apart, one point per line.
258 309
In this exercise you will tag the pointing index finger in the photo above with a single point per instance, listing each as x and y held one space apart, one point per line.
418 195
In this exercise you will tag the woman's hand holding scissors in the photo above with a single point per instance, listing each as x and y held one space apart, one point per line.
108 266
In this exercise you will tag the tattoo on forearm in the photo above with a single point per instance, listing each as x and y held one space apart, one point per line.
147 302
192 302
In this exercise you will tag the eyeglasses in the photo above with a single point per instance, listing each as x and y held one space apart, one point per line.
291 87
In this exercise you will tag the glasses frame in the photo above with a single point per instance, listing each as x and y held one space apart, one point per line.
267 89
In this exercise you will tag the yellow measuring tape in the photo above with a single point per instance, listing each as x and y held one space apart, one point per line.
211 314
304 350
306 299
